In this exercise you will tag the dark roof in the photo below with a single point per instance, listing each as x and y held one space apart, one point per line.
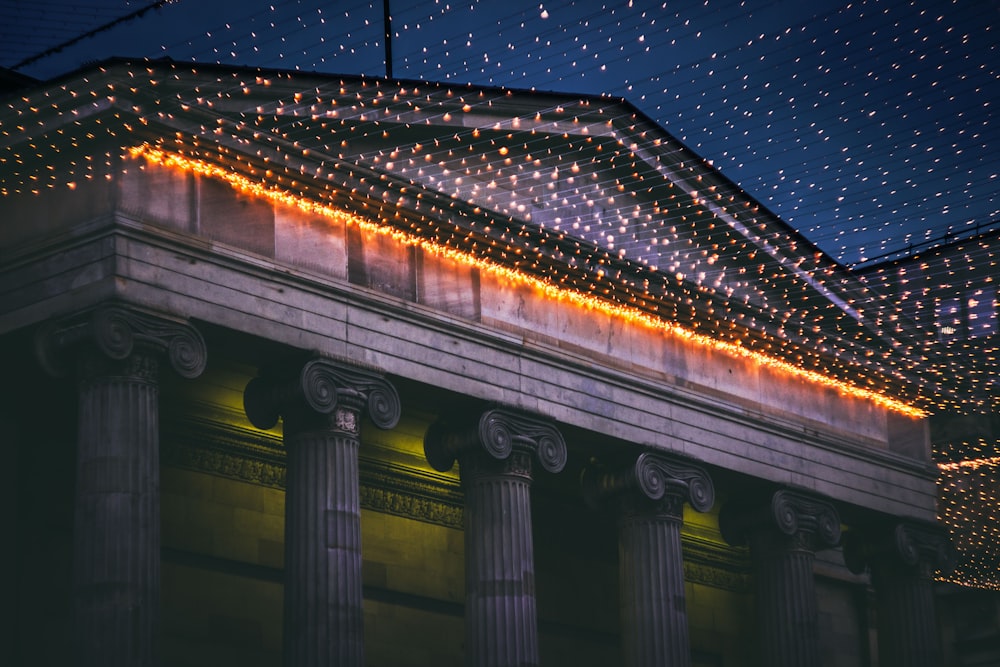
11 81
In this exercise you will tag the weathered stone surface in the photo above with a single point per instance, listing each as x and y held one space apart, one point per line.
629 382
649 496
321 403
903 559
116 549
495 455
783 534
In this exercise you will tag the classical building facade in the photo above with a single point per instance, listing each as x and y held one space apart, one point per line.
313 370
947 296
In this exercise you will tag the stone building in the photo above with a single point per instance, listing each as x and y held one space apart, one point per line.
306 369
947 300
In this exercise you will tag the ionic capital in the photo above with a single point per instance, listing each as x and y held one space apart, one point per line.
918 547
497 434
805 521
116 331
653 482
322 387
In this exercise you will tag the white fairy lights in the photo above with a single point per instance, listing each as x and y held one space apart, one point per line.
868 126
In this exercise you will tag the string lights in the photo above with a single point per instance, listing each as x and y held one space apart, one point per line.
969 497
584 194
549 289
867 127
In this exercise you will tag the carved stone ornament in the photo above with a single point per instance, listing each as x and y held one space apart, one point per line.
497 433
116 330
346 420
324 387
808 521
653 477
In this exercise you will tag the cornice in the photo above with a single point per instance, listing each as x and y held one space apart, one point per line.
350 295
530 349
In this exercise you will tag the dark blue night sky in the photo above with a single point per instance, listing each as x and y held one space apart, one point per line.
868 126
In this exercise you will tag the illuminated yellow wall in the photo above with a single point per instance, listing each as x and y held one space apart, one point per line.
223 550
223 553
222 569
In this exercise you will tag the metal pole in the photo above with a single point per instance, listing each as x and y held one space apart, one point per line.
387 20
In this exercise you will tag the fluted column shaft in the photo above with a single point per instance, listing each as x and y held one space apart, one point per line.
649 495
323 616
495 455
321 403
908 634
501 619
116 351
903 557
651 578
784 531
116 539
785 599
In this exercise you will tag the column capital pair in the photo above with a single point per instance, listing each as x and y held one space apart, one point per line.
795 519
653 483
115 331
320 401
919 547
903 556
116 351
495 450
649 493
498 434
321 391
783 530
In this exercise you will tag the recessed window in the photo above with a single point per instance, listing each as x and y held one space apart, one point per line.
948 315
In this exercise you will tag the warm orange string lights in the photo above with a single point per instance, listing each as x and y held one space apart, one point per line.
971 464
550 290
969 504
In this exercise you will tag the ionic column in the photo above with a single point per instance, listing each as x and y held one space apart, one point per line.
649 495
902 560
321 404
495 457
783 536
116 540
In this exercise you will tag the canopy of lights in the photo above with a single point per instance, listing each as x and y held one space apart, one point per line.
709 170
582 194
865 124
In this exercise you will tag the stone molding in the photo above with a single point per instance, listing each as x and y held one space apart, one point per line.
805 521
247 455
221 447
711 565
653 482
116 330
497 434
322 387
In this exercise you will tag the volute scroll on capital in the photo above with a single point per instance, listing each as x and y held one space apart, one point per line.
808 520
116 331
652 477
920 546
322 386
496 434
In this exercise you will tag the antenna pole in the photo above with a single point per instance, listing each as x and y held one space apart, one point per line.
387 20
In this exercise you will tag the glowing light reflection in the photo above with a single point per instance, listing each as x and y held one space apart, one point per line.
548 289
